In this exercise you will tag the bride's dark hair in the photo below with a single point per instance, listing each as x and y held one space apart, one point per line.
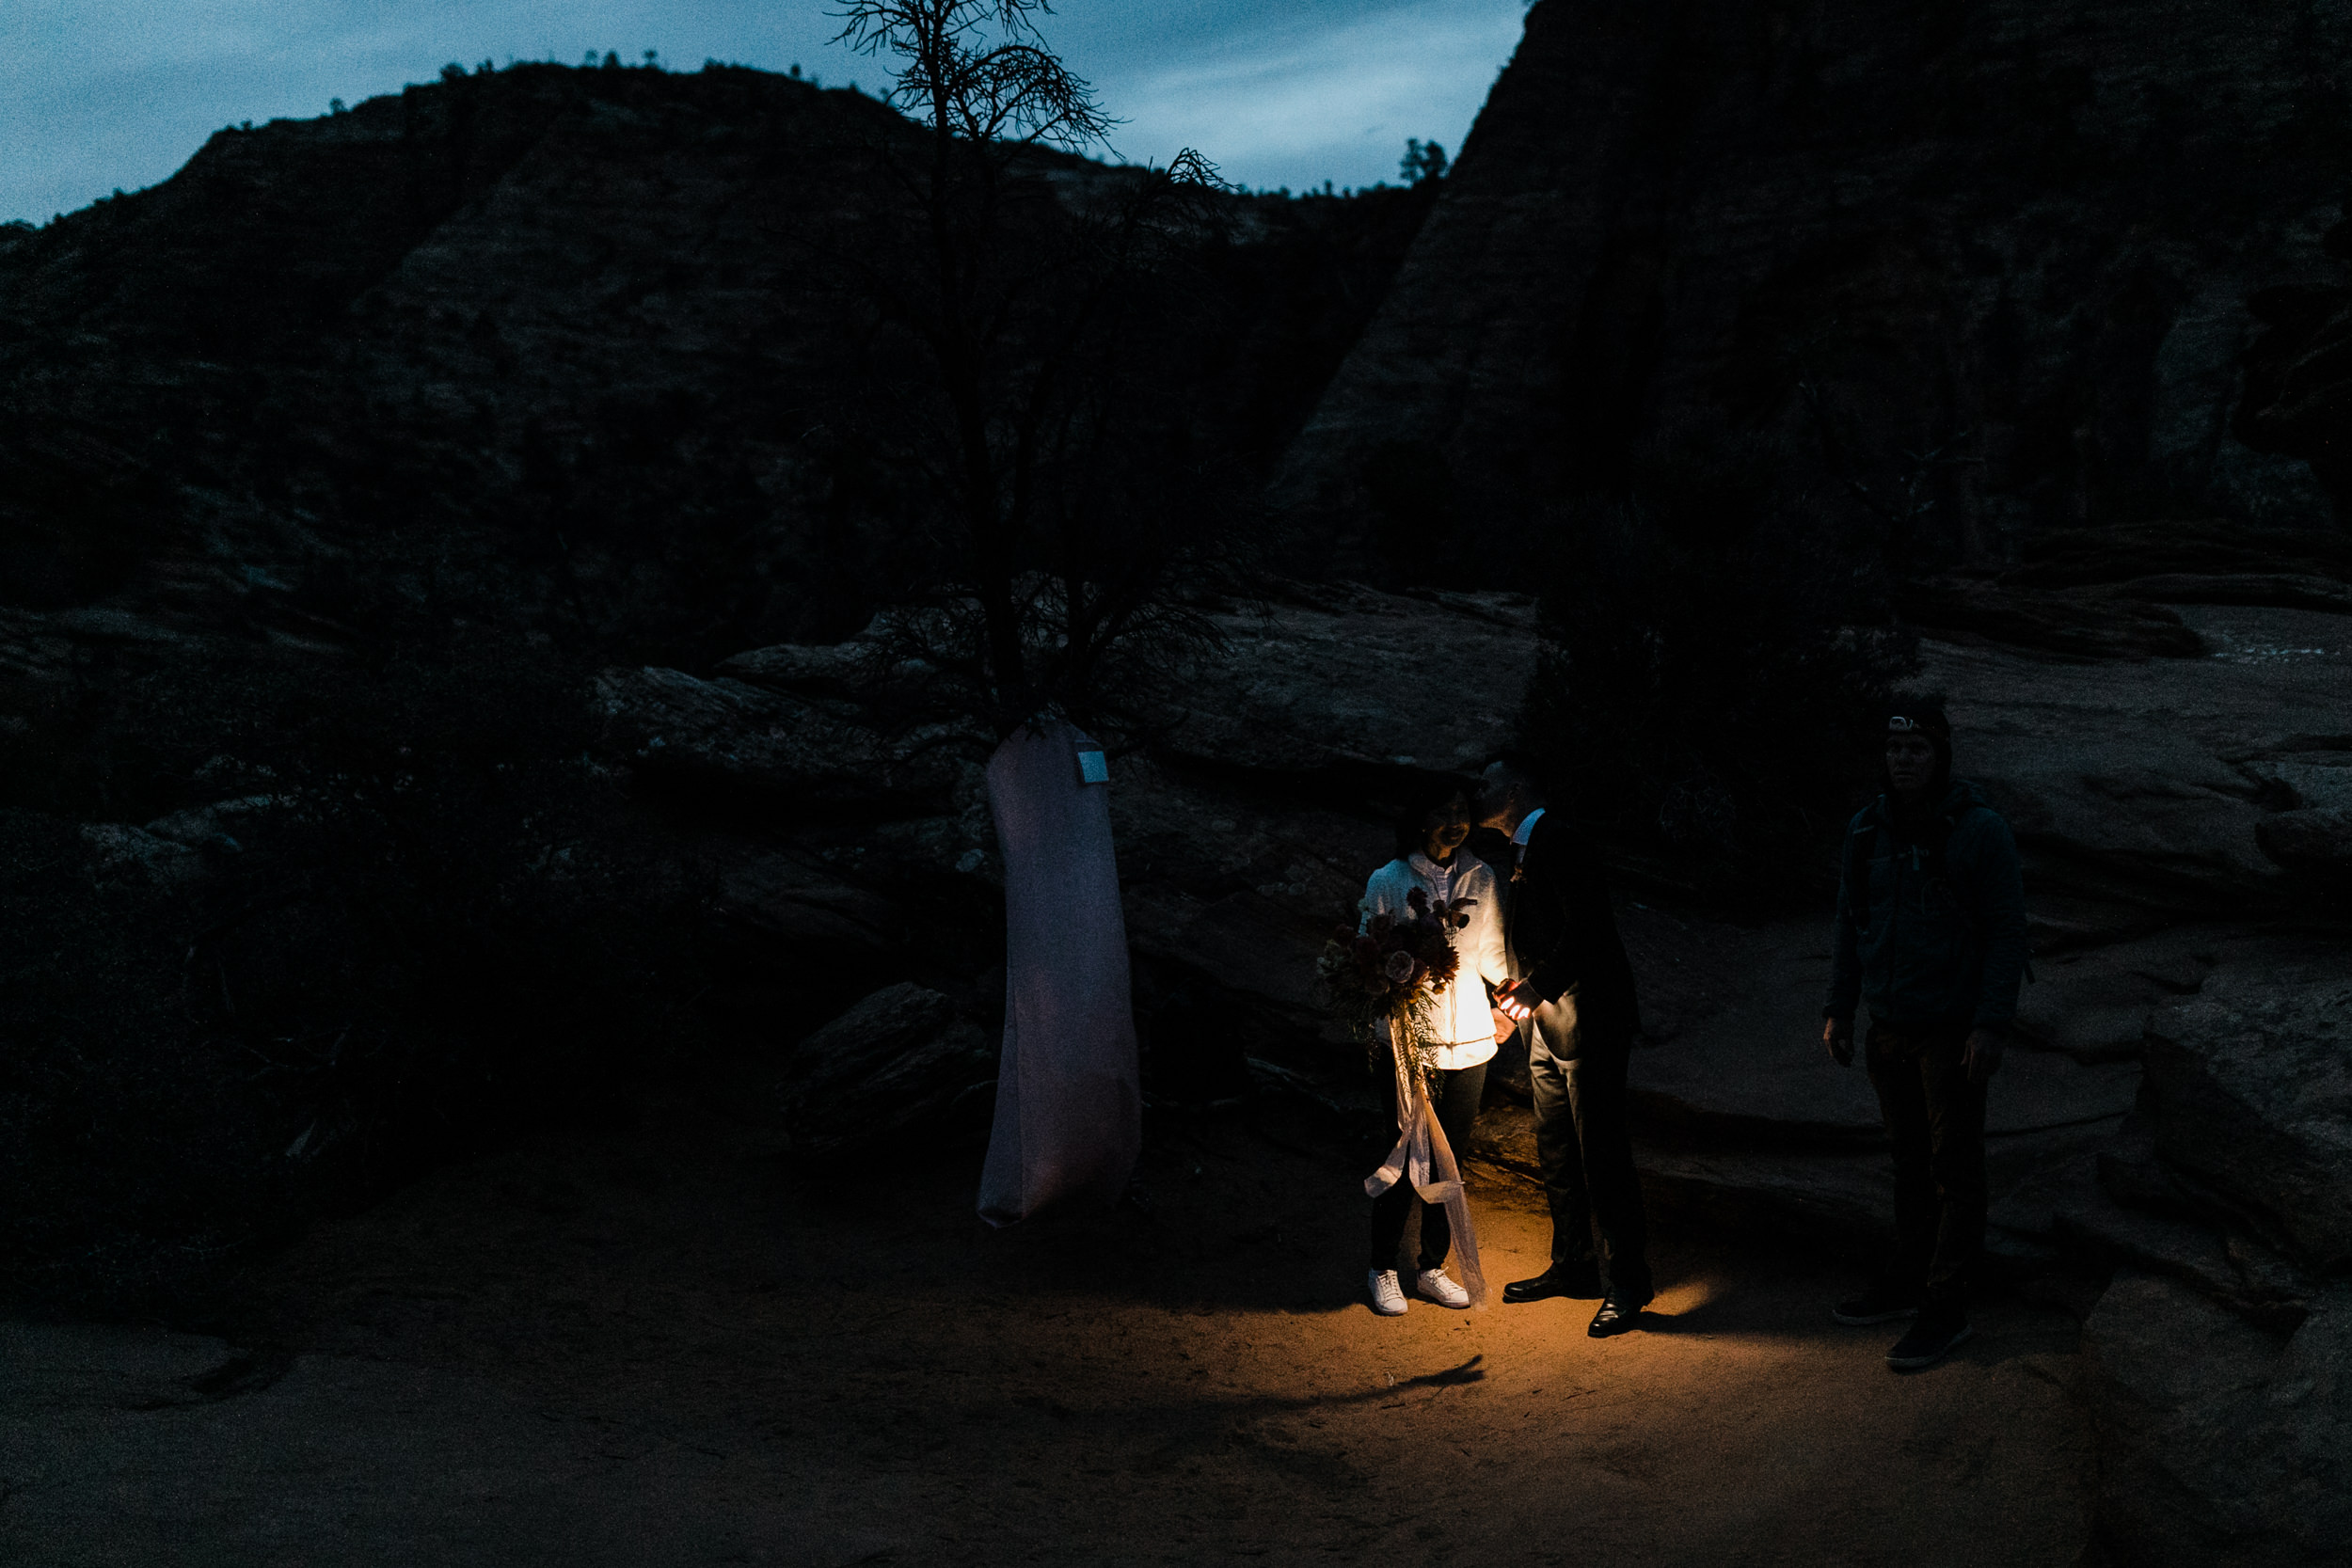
1412 819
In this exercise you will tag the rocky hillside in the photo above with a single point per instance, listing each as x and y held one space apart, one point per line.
1980 270
577 336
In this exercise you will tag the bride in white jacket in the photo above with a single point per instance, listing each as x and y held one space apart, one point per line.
1429 856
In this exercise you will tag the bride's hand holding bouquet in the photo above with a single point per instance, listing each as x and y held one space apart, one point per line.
1390 974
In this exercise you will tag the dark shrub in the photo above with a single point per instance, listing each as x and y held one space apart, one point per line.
391 912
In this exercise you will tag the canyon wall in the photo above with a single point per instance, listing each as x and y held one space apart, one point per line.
1982 267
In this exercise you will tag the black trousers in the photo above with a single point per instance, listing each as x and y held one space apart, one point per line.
1935 1118
1455 1096
1585 1145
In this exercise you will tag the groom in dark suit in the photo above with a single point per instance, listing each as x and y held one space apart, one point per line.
1570 977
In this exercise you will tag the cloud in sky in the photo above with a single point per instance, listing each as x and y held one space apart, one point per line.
99 94
1303 102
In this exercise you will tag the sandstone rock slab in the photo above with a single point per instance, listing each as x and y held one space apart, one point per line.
2069 1204
787 898
1747 1059
2071 625
2095 1004
1330 676
814 670
118 850
669 721
109 1366
218 825
2152 781
1237 888
2220 1445
898 1065
2251 1091
2314 839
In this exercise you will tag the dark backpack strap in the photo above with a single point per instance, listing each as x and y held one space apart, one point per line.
1857 869
1939 866
1951 826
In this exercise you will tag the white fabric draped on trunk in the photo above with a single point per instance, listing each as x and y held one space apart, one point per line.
1069 1103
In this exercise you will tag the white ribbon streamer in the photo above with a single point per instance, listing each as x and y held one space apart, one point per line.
1422 1154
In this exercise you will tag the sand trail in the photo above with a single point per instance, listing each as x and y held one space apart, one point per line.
654 1349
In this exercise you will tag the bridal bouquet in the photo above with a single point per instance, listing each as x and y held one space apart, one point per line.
1393 972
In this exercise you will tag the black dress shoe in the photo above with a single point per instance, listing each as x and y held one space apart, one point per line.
1577 1281
1619 1312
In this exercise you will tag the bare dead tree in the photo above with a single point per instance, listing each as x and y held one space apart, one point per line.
1008 309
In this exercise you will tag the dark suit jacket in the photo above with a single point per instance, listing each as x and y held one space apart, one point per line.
1563 939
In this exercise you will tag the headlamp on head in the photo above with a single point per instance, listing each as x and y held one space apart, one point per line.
1924 719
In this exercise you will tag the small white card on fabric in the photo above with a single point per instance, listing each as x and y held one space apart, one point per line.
1094 767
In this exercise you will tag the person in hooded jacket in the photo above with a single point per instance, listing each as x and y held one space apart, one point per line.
1932 936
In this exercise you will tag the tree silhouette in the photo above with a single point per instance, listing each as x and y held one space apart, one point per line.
1018 286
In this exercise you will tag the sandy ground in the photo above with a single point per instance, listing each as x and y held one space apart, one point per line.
656 1348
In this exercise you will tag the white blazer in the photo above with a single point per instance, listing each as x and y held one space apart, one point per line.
1464 1026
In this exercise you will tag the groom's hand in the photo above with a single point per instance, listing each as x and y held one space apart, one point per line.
1837 1035
1982 1057
1513 1001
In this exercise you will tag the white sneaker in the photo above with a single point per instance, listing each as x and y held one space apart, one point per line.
1438 1288
1388 1298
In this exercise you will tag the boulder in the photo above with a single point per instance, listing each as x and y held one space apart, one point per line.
2069 624
219 824
2203 558
2317 839
1326 676
54 648
899 1066
118 849
920 848
1238 890
2148 782
2095 1004
2059 922
809 670
2072 1205
2221 1445
2295 400
2250 1092
787 898
2283 590
672 723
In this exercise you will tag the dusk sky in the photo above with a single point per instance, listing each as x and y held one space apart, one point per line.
99 94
